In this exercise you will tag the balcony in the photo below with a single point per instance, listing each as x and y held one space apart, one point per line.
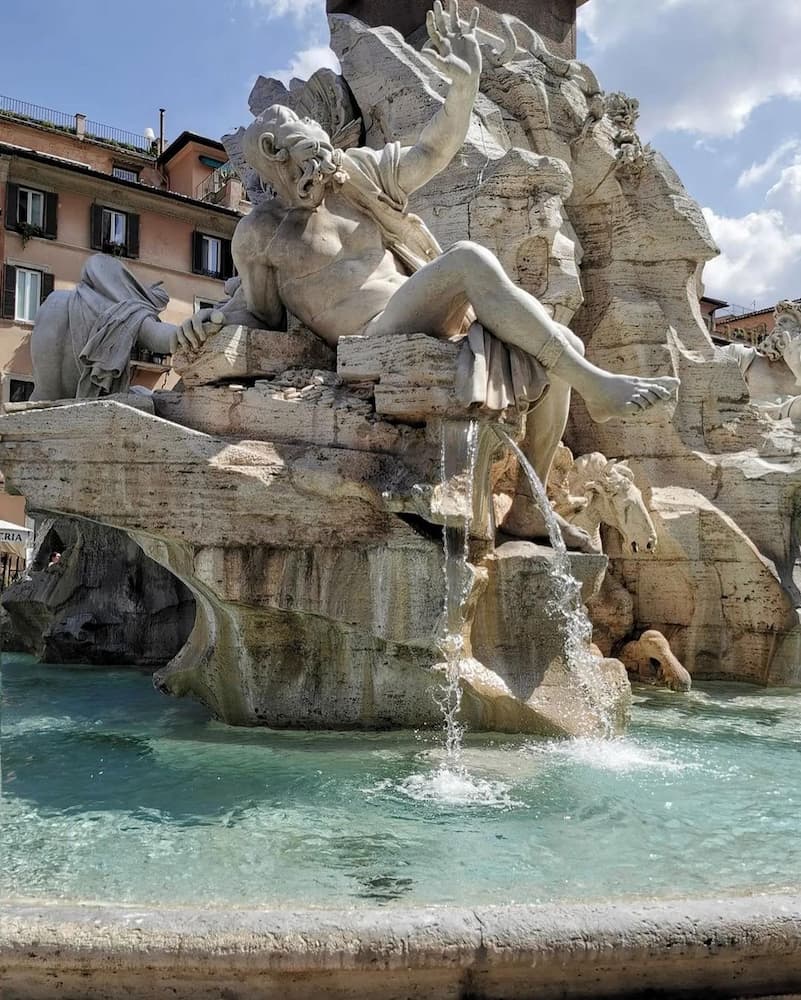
222 187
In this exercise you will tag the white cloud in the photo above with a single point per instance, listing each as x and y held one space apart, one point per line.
304 63
299 9
697 65
788 186
760 258
760 171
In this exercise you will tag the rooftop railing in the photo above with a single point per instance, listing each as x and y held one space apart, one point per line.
23 111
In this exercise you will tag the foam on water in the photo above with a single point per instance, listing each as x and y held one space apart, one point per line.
621 755
455 786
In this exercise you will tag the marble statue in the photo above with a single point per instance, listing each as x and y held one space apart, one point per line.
293 483
590 491
82 340
337 247
758 364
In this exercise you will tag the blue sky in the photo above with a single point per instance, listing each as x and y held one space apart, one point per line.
719 86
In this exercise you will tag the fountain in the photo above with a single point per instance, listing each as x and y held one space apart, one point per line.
334 488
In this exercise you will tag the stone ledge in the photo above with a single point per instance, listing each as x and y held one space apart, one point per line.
727 947
240 352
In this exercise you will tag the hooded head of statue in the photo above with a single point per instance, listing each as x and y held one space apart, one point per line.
295 156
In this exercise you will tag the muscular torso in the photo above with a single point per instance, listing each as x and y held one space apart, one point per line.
331 267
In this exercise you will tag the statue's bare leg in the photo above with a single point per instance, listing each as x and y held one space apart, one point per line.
468 273
545 426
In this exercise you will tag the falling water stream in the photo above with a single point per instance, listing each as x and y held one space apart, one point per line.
566 604
459 449
458 456
450 782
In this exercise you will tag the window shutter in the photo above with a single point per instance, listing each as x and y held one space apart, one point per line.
51 216
227 268
132 236
12 206
96 227
197 253
48 283
9 291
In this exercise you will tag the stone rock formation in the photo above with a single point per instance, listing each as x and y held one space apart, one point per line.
104 603
650 660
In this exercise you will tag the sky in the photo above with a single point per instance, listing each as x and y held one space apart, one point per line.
719 86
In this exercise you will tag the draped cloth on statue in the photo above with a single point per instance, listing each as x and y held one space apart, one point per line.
490 373
111 304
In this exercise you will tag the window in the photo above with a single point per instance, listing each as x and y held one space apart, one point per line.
28 294
201 303
30 207
211 255
31 212
19 390
125 173
114 227
24 289
114 231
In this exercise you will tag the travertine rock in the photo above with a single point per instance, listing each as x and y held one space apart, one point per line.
316 605
238 351
717 599
650 660
105 602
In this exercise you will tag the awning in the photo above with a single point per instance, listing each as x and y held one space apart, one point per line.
13 538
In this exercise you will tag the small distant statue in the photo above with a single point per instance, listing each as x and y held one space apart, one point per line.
757 363
82 339
337 247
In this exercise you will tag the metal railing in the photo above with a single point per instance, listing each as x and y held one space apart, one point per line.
106 133
215 182
35 112
10 107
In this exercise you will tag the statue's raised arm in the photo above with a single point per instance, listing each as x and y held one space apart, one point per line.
454 50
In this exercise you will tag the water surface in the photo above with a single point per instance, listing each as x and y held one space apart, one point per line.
112 791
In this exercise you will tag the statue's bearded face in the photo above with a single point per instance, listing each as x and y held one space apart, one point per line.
311 166
300 164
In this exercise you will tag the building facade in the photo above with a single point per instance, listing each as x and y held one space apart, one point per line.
66 194
69 189
746 328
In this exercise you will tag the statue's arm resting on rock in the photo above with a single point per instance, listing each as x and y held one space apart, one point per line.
256 299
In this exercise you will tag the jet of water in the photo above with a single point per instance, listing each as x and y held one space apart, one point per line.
566 604
458 454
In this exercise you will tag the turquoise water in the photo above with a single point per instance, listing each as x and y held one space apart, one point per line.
111 791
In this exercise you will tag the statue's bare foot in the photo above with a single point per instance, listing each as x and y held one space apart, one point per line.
626 395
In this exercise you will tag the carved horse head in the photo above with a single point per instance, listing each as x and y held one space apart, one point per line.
595 491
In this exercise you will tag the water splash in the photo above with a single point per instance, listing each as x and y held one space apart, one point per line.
566 604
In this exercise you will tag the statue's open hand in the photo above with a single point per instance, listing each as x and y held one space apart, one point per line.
192 333
452 46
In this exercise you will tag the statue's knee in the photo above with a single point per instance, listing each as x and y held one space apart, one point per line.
575 342
472 258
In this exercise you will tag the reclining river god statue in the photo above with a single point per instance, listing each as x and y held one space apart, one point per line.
337 247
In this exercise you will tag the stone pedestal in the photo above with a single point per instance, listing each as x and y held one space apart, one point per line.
555 20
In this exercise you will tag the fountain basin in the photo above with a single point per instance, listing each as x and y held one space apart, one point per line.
722 947
148 849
